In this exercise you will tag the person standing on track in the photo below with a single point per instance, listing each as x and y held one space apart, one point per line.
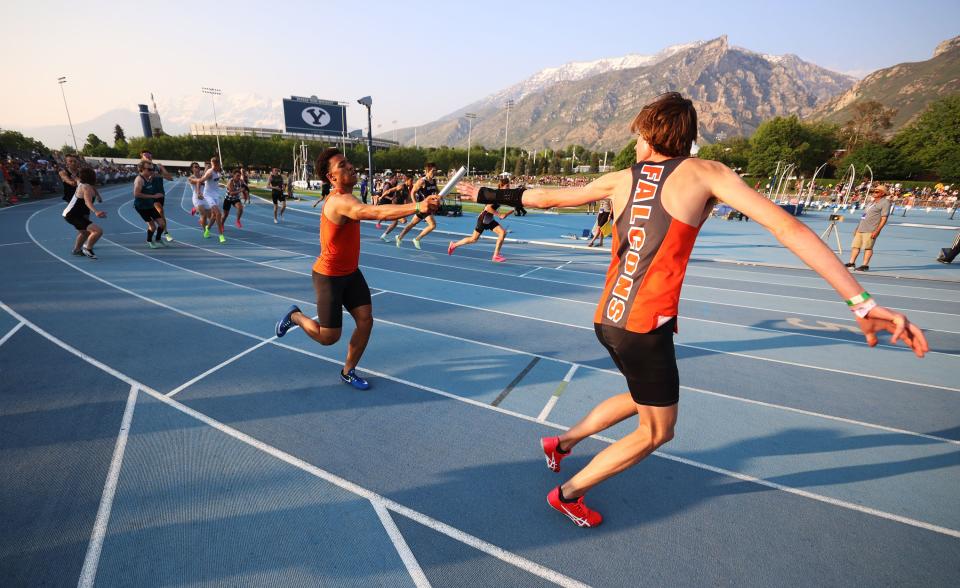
424 187
144 196
275 181
213 193
234 194
245 186
486 221
402 194
659 205
290 195
603 216
78 210
159 174
337 279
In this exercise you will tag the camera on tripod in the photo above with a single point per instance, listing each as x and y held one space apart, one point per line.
836 218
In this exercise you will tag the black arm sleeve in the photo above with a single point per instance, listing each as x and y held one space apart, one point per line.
511 196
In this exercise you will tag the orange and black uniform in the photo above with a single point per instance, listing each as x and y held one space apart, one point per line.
637 314
337 279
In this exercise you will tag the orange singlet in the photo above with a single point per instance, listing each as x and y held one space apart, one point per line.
339 248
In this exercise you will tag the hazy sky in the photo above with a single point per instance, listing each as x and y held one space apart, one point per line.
418 60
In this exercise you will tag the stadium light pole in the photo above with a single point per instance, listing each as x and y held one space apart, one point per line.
506 130
470 118
63 80
368 102
216 124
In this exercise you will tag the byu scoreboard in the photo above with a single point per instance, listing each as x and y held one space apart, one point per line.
314 116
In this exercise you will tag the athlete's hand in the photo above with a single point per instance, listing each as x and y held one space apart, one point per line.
468 191
432 202
101 214
883 319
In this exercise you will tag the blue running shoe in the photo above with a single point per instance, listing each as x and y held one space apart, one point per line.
284 324
354 380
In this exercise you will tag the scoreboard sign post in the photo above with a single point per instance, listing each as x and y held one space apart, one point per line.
314 116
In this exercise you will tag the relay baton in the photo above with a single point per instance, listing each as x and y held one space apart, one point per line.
453 181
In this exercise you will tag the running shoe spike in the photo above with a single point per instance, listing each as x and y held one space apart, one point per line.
499 259
239 226
450 248
416 243
222 238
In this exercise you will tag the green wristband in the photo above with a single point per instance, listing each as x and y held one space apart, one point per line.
859 299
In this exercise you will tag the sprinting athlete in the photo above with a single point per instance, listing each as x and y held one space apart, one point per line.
70 177
424 187
659 205
159 174
144 196
213 193
207 206
275 181
399 194
486 221
389 185
337 278
234 194
78 210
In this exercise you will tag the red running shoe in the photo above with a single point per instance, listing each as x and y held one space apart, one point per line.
554 457
239 226
499 259
576 511
193 211
378 224
450 248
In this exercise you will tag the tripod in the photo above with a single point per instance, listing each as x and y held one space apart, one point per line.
832 228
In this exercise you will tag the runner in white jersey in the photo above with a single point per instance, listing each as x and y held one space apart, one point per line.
214 193
207 206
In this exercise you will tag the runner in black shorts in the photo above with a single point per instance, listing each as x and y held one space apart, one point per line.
159 173
234 193
423 188
399 194
603 217
275 181
78 210
143 199
486 221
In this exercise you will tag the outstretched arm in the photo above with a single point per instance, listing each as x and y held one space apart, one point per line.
806 245
355 210
603 187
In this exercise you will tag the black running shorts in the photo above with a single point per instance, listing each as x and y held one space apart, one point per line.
230 201
79 222
148 214
334 293
647 360
277 196
161 200
482 226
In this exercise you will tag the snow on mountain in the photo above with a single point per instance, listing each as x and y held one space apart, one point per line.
248 110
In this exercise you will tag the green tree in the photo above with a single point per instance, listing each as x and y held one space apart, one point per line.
883 159
627 156
932 143
118 134
16 143
788 140
594 163
518 167
734 152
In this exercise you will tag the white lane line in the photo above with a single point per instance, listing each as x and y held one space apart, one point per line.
377 293
524 274
217 367
89 571
11 333
575 326
17 243
400 544
548 408
442 527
